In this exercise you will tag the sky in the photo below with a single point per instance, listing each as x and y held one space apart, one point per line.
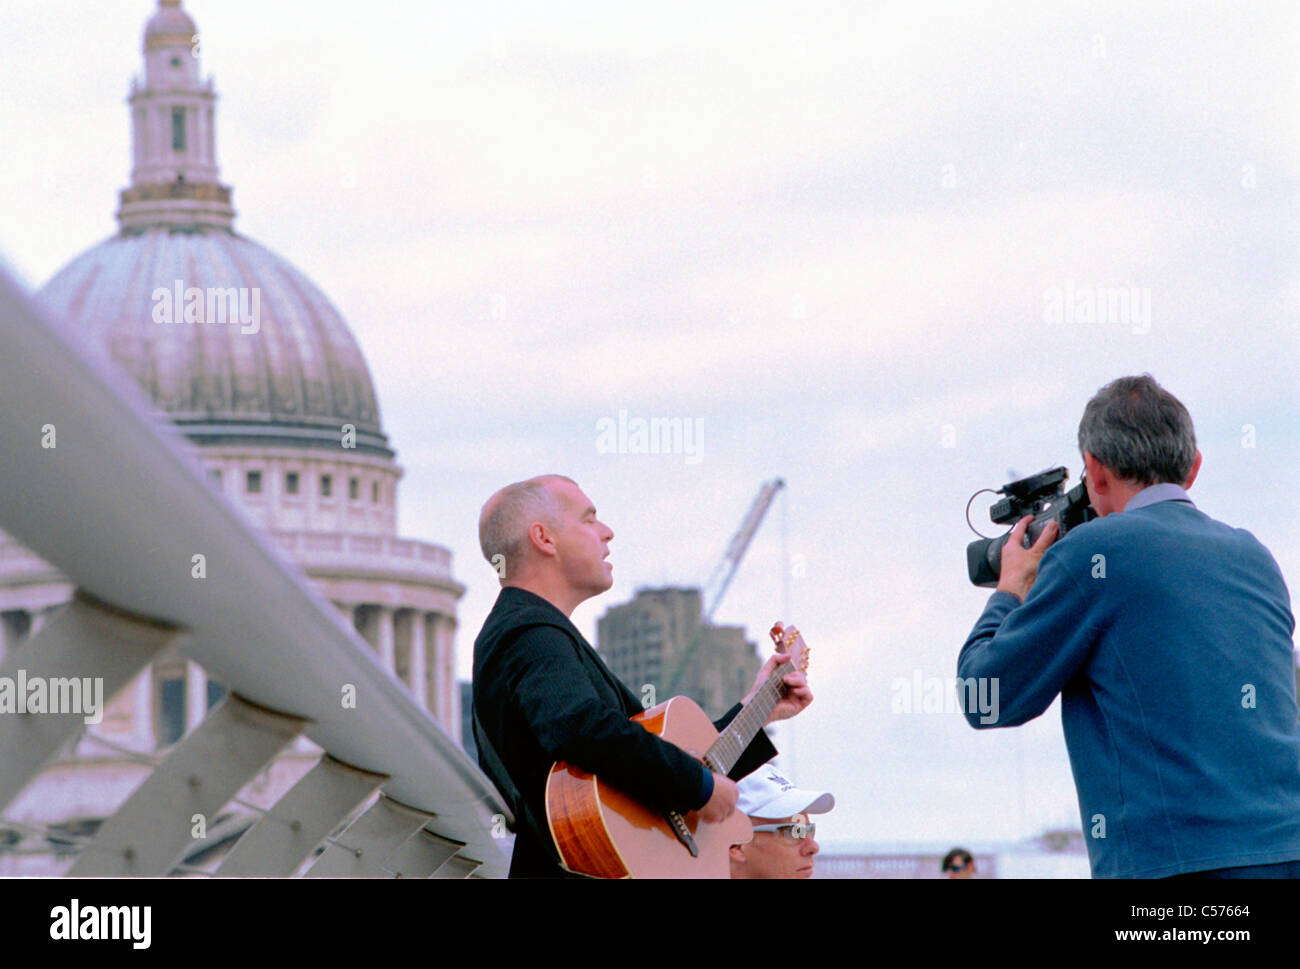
852 243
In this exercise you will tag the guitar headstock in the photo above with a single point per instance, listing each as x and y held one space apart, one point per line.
788 640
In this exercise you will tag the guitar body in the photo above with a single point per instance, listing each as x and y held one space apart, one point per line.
602 832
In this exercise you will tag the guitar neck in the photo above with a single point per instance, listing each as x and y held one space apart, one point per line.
731 743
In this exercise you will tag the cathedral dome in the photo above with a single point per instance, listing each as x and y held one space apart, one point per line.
234 344
263 358
169 26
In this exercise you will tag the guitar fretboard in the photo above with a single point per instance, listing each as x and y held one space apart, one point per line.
731 743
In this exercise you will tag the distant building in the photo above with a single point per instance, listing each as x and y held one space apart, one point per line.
833 863
1062 841
1056 853
660 640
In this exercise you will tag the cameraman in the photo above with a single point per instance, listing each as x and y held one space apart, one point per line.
1168 636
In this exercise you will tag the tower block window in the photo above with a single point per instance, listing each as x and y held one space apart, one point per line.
178 129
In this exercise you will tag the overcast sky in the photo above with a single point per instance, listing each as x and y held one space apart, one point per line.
836 235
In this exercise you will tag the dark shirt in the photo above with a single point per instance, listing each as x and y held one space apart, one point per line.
542 694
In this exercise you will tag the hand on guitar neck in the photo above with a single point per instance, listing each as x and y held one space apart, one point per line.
796 696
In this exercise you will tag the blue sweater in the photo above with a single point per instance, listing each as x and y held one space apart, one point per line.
1168 636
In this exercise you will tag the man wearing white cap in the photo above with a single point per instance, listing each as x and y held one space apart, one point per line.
783 845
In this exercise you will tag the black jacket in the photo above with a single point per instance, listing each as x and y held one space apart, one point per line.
542 694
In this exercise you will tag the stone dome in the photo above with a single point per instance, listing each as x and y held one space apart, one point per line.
294 375
169 25
234 344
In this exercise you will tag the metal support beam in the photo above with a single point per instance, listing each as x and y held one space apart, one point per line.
458 867
421 856
85 641
364 848
284 838
151 832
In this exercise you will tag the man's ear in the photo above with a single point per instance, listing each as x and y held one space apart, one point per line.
738 854
1097 473
540 538
1196 467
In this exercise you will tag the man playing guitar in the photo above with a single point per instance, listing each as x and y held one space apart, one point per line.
541 693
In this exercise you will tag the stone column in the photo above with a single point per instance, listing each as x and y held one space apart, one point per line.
450 685
445 696
433 700
419 660
384 638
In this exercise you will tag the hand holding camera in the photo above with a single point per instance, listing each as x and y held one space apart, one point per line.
1042 499
1020 564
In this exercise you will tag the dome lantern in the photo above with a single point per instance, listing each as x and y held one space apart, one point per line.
174 179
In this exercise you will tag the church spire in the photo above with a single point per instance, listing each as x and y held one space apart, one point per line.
174 179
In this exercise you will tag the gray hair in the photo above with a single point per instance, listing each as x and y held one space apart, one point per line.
1140 431
508 514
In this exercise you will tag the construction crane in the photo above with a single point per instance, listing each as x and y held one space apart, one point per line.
721 578
716 586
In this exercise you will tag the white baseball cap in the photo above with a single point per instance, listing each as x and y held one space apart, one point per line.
766 794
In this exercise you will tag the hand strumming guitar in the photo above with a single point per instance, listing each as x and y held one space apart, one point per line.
720 806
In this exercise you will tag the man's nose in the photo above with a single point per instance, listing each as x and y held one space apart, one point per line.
812 847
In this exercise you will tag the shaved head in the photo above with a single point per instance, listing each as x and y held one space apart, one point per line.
507 515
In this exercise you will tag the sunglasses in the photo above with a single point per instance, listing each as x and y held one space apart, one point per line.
794 831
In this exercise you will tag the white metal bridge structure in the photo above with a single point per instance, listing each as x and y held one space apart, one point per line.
120 506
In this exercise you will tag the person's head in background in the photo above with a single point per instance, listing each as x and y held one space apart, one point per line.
958 863
784 845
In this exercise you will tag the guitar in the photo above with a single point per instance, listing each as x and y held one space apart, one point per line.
602 832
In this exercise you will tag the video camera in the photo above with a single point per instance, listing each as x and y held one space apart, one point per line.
1040 495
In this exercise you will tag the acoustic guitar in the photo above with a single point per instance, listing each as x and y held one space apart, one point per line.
602 832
